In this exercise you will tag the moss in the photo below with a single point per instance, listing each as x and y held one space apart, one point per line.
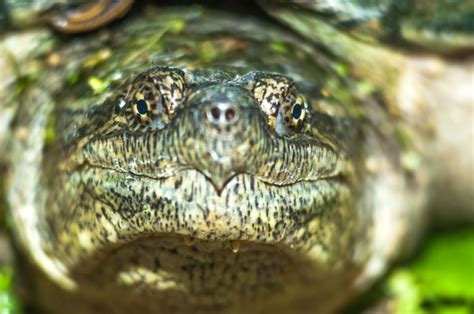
73 78
97 58
404 133
342 69
177 25
207 51
97 85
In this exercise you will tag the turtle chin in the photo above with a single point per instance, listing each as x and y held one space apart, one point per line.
169 263
204 274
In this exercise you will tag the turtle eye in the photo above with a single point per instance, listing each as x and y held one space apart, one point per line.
141 109
154 96
294 111
297 111
147 106
284 107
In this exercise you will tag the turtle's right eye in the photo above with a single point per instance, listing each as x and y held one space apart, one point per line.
140 109
147 106
154 96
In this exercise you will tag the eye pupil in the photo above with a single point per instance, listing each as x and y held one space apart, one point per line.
142 107
297 111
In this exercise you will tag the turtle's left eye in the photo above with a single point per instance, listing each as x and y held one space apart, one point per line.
141 110
284 107
292 112
141 107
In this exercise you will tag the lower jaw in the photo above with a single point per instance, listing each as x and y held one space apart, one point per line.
164 271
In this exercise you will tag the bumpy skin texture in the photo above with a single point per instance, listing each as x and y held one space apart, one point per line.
196 185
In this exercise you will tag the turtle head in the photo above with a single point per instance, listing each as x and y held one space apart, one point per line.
227 161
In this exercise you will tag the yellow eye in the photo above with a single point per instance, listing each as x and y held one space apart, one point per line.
154 96
140 110
146 104
298 112
291 114
284 107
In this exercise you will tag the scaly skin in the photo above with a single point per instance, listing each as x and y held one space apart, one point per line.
188 210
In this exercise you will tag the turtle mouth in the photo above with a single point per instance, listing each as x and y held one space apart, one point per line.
188 204
224 184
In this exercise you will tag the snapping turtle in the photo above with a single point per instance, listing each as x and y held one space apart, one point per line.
188 160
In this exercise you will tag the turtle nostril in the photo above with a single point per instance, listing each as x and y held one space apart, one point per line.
215 113
229 114
222 114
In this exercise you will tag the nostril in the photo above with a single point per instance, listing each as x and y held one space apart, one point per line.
215 113
229 114
222 114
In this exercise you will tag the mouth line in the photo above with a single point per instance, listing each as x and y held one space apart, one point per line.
337 177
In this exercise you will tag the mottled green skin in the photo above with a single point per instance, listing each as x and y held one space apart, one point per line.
101 207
